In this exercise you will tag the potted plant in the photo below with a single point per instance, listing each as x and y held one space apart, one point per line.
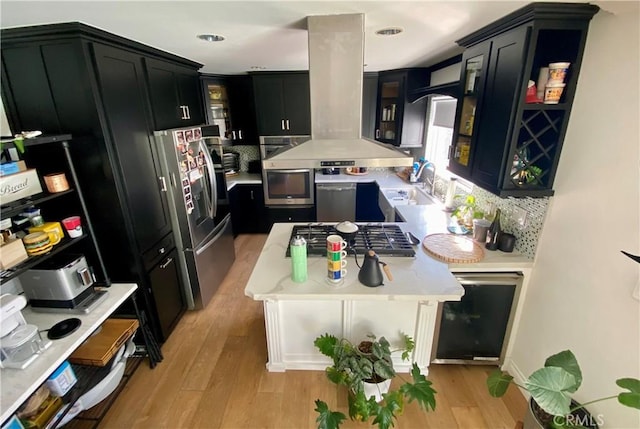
467 211
550 388
366 370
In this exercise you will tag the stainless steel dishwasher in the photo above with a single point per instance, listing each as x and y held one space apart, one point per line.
335 202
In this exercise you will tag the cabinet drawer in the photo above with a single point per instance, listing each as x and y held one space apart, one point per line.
158 251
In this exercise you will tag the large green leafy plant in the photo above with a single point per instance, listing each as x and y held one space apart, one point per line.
551 388
370 361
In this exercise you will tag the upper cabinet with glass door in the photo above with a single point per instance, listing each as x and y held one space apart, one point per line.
473 78
508 140
398 121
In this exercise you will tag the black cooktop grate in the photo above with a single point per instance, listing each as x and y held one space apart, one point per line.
385 240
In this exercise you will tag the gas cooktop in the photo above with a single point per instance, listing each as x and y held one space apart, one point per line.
385 240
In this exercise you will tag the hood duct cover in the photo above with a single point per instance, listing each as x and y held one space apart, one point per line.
336 54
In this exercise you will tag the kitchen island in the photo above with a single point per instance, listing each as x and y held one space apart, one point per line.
297 313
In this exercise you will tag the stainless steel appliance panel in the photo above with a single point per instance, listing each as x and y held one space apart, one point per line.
476 329
336 202
288 187
210 263
199 212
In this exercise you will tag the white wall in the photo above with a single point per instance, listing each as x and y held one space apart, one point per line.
445 75
579 297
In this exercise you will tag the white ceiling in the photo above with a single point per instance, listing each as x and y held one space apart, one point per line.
270 34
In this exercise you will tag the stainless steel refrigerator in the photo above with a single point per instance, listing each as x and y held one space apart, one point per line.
199 211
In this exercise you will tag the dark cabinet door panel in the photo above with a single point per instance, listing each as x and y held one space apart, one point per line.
165 288
243 111
35 109
270 108
297 104
503 81
189 91
164 95
123 95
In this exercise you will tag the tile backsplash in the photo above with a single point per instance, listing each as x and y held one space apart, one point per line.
535 209
247 153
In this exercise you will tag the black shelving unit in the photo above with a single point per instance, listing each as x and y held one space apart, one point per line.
51 154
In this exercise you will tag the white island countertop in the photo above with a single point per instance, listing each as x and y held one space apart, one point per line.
18 384
419 278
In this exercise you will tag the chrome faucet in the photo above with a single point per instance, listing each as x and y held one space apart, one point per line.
426 180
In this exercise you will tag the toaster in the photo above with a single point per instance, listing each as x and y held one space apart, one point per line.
61 283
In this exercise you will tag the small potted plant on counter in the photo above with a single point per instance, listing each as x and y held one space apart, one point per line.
366 370
551 406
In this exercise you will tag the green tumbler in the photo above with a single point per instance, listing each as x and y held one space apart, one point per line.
298 259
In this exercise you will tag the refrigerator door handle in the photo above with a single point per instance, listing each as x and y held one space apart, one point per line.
213 206
221 231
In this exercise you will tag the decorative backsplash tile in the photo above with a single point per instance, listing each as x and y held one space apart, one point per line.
535 208
247 153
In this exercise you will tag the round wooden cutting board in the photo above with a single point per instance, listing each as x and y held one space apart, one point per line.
453 248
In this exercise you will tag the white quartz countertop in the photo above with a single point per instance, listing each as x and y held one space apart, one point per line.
432 219
243 178
18 384
385 179
419 278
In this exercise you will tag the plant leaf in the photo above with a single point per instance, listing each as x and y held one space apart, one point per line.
359 407
384 369
550 388
19 143
631 398
567 361
326 344
420 390
498 383
328 419
335 376
408 345
385 414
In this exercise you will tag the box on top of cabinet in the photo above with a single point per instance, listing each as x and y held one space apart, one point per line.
19 185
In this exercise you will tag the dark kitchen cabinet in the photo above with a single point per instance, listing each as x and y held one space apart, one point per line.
282 102
243 110
399 122
164 281
95 85
369 103
367 208
230 105
175 94
504 142
290 214
248 214
119 73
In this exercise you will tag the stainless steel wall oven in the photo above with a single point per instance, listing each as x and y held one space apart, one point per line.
286 187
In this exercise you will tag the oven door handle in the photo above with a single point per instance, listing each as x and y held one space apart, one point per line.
288 170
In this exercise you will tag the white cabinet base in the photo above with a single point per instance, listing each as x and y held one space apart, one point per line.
292 326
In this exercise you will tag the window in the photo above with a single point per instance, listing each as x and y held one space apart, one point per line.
441 115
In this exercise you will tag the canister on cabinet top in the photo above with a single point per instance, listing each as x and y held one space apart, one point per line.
298 259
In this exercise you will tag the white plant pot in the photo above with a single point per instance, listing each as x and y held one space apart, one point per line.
376 389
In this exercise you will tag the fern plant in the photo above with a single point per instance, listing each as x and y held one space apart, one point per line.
370 361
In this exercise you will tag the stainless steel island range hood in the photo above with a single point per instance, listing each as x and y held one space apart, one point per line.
336 53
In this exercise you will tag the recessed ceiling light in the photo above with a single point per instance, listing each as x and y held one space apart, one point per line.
211 37
391 31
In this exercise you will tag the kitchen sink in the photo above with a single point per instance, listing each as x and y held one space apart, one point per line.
390 198
407 196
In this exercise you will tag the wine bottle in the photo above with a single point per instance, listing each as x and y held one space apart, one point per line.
493 235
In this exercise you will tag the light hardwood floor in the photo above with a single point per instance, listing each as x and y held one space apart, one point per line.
214 376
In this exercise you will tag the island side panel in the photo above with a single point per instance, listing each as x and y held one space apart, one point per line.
293 325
